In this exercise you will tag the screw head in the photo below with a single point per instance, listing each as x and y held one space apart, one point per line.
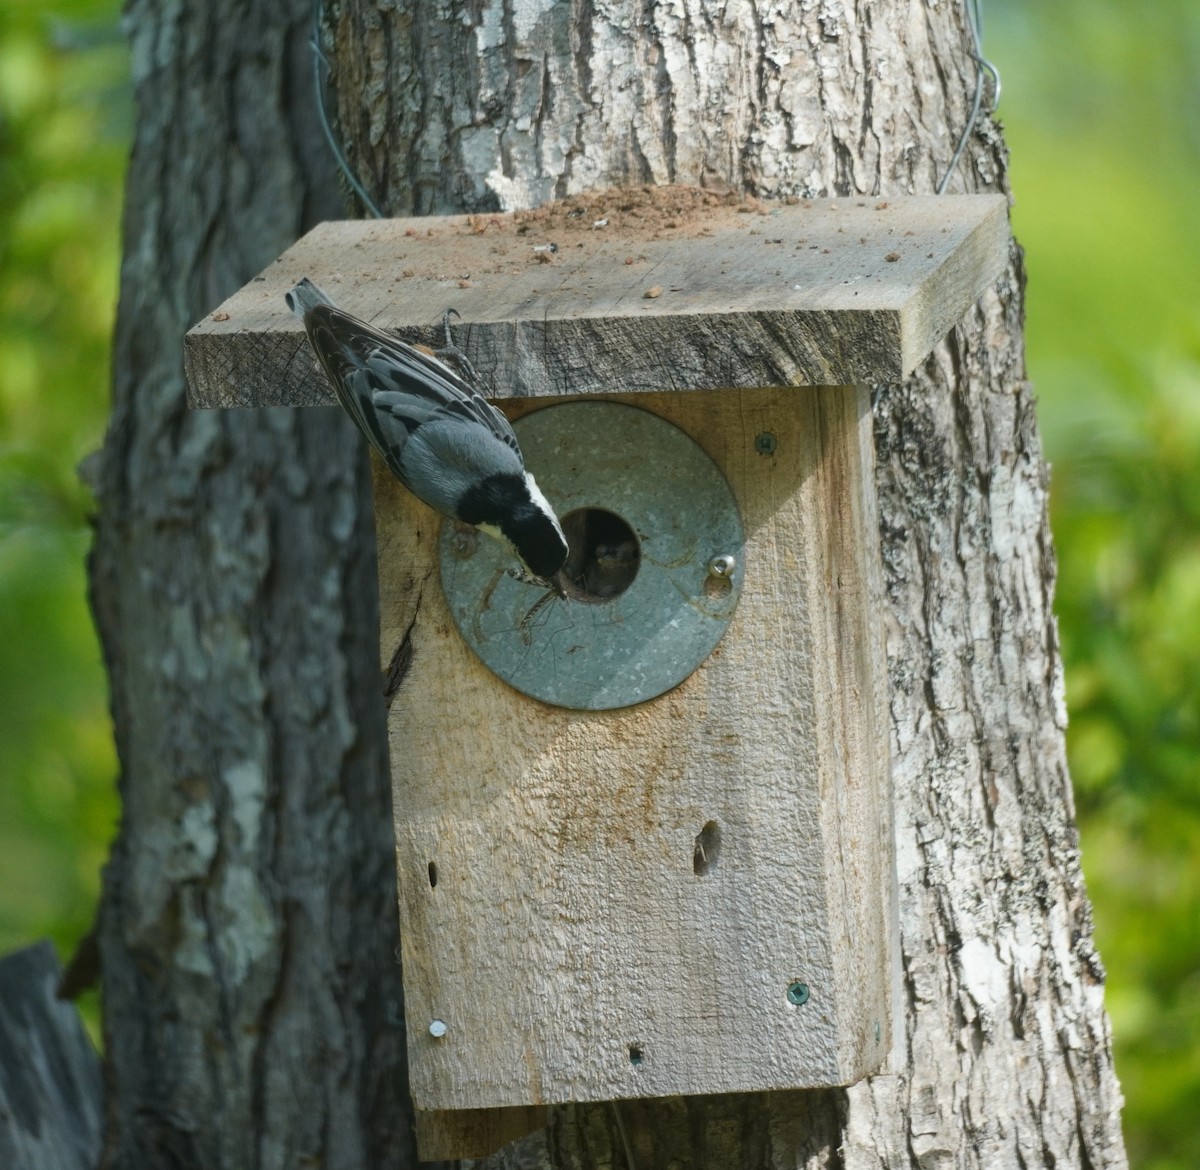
765 443
797 994
722 566
437 1029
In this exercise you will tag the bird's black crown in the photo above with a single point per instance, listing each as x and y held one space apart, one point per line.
504 502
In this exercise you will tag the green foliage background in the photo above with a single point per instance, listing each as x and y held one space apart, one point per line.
1101 107
64 134
1102 111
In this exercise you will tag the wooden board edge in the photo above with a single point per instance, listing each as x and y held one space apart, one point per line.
853 701
949 291
578 357
249 370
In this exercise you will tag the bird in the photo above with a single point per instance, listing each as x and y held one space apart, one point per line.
604 554
436 433
610 569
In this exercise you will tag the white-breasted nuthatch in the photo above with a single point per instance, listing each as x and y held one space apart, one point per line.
437 434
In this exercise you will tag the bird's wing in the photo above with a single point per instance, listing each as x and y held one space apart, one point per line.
381 380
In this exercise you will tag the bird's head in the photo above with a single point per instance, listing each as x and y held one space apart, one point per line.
536 535
534 531
511 508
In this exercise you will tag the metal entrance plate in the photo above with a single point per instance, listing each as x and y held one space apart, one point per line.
684 553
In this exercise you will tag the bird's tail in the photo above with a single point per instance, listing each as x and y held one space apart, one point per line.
306 296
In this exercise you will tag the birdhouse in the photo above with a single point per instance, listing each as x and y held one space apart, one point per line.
643 834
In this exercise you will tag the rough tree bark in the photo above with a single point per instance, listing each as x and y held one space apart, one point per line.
1004 1056
251 995
252 1005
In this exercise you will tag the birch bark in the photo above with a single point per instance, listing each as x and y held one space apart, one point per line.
1004 1054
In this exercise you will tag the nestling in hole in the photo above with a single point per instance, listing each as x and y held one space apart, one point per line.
603 554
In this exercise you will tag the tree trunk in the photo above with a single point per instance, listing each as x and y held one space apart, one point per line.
251 997
1003 1055
252 1010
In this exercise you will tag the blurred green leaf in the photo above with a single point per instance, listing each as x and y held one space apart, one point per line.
64 132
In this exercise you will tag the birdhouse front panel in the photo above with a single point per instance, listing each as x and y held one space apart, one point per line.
643 831
689 894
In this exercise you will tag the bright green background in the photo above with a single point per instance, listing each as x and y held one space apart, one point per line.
1101 108
64 133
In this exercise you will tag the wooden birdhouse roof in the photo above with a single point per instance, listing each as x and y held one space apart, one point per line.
626 290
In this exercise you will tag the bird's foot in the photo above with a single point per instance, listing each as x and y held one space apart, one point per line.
451 355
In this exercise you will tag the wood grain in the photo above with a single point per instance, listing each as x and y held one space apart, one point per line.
568 944
819 293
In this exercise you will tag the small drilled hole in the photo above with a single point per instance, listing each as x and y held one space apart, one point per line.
717 587
603 555
707 849
636 1056
432 874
